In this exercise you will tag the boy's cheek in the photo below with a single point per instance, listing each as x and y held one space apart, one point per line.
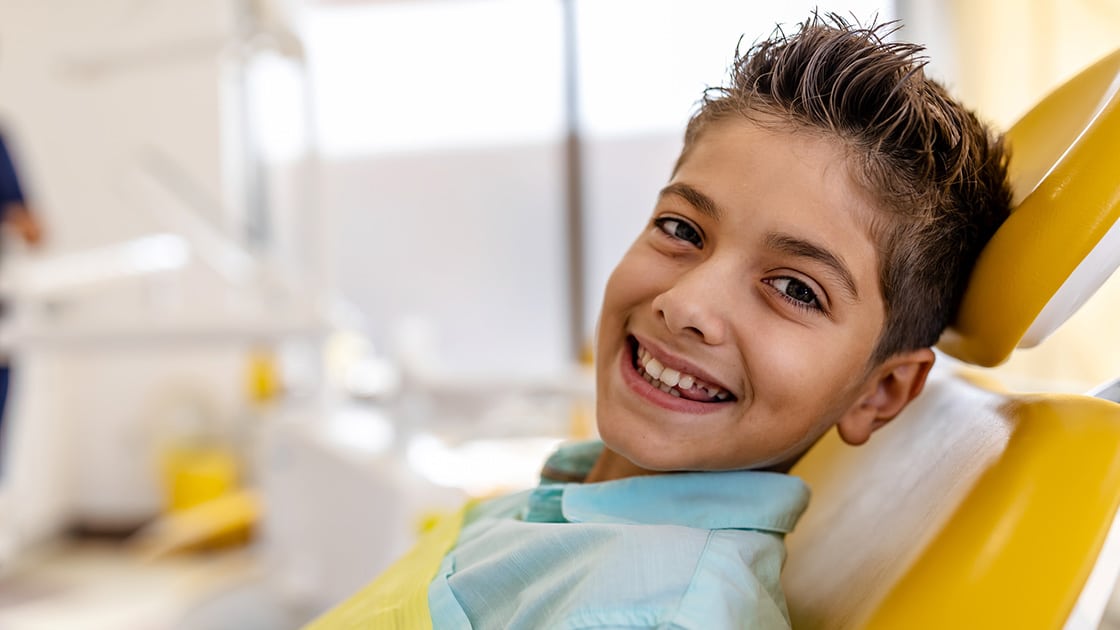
642 272
627 283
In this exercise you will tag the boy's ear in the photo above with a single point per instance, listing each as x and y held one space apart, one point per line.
891 386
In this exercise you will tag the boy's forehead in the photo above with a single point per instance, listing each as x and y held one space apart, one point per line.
802 162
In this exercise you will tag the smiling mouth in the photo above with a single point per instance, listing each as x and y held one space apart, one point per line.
672 381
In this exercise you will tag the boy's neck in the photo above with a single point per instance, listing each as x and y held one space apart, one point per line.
611 466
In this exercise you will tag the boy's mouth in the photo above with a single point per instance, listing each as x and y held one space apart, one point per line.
673 381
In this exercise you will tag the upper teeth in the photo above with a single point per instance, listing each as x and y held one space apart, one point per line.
668 379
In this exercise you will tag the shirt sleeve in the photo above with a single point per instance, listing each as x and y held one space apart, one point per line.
10 190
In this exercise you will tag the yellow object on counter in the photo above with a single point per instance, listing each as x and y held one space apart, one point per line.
196 474
226 520
262 378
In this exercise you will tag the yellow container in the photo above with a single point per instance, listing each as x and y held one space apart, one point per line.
194 475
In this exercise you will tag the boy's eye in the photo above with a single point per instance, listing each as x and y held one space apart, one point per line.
681 230
797 292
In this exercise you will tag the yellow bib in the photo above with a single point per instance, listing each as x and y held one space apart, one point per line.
398 598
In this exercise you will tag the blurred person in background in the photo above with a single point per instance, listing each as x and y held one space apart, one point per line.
16 216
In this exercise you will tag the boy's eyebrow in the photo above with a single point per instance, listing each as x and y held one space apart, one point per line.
806 249
697 199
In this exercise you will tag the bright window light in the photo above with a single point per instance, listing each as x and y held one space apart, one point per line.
427 74
645 63
431 74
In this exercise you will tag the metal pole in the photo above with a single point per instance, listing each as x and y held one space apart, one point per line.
573 171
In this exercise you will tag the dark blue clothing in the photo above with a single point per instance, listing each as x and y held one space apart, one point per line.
5 377
10 190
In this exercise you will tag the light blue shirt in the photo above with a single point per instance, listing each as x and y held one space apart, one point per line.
681 550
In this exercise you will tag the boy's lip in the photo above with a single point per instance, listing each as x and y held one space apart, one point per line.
677 363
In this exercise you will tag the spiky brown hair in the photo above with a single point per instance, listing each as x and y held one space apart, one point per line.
938 174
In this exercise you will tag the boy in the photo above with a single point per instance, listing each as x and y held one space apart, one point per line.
811 245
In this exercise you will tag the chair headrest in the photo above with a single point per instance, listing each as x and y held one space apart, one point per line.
1062 240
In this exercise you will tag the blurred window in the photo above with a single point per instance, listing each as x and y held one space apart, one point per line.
442 128
435 74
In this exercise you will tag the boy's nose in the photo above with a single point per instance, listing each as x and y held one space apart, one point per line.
694 306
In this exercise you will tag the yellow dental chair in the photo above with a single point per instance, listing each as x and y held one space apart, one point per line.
980 508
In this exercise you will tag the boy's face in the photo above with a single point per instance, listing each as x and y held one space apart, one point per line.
755 287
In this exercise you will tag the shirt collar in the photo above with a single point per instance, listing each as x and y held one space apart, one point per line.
743 499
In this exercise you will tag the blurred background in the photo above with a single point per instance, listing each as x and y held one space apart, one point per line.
312 270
